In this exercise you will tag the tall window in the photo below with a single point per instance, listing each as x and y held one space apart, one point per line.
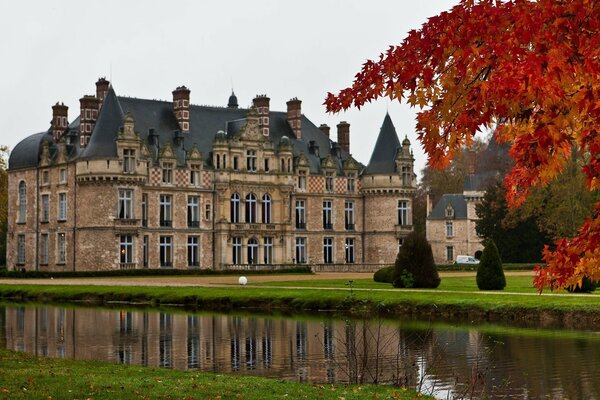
235 163
251 160
302 180
61 247
300 214
207 211
266 209
235 208
193 251
62 175
402 212
237 250
329 181
166 251
166 210
21 249
449 229
327 250
251 208
22 202
126 249
45 208
252 251
128 161
351 183
300 250
267 167
349 215
62 206
267 250
449 253
145 251
193 212
195 175
349 250
144 209
327 214
125 203
44 249
167 173
406 176
45 177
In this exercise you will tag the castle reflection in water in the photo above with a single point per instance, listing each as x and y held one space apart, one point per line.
304 350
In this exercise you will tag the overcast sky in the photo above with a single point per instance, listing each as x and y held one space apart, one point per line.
56 50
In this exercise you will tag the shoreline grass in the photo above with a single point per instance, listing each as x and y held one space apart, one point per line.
25 376
454 300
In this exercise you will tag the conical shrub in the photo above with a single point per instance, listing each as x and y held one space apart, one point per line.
490 275
414 265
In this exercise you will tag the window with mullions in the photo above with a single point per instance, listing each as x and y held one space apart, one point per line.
44 245
302 180
166 251
237 250
45 208
252 251
266 209
251 160
300 250
349 215
328 250
195 175
235 208
22 202
166 210
128 161
61 245
327 214
351 183
125 209
167 173
144 209
20 249
193 251
349 250
251 208
449 229
300 214
267 250
329 182
126 249
193 212
402 212
62 206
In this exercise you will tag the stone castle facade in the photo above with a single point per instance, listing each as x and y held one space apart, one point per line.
134 183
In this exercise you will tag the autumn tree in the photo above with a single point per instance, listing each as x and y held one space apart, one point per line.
3 203
533 67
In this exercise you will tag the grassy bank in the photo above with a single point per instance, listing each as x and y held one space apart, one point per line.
454 300
27 377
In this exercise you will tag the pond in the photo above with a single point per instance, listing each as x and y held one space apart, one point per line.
450 361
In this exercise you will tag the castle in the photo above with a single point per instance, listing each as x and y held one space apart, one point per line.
133 183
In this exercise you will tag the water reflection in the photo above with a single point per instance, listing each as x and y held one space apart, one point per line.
450 362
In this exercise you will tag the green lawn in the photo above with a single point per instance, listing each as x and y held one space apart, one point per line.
23 376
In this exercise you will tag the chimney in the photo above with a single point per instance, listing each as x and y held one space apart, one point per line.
325 129
101 89
59 121
293 116
343 133
181 107
87 118
261 103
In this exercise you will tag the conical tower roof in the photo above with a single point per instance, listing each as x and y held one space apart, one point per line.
383 158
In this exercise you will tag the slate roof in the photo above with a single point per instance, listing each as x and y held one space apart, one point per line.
205 122
458 203
383 158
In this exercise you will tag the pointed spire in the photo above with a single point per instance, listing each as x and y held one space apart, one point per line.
233 101
384 154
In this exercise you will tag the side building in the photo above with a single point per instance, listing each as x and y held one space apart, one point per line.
133 183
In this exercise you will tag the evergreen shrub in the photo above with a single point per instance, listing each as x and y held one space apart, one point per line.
384 275
490 275
414 265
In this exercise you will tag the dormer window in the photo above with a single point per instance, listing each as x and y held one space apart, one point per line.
449 211
406 176
351 183
329 181
251 160
302 180
167 173
128 161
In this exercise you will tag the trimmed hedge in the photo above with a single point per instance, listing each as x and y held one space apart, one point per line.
145 272
384 275
490 275
473 267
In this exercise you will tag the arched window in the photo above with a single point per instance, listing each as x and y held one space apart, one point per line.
252 251
266 209
22 202
251 208
235 208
